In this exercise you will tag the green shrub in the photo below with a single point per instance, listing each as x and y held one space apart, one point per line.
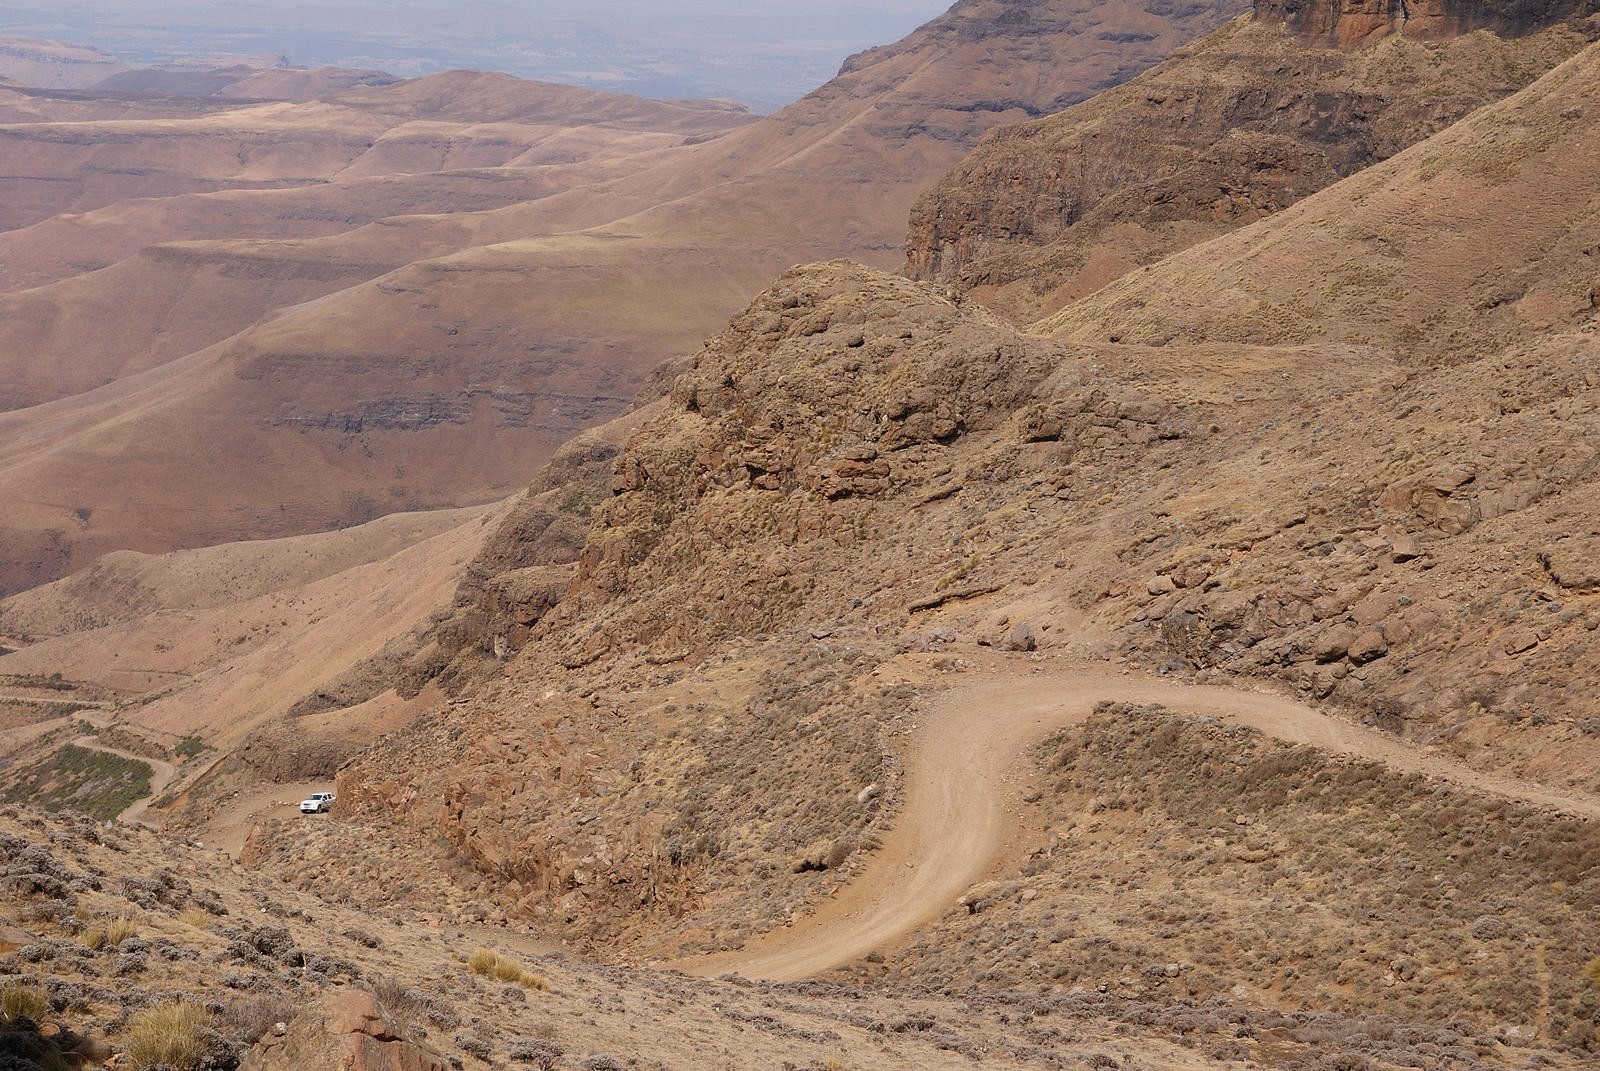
96 783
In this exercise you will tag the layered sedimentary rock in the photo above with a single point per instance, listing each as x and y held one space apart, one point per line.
1347 23
1238 127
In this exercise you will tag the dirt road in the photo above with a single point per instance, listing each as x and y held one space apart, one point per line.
967 768
16 740
57 699
162 774
230 825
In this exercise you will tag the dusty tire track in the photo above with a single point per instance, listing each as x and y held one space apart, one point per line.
965 769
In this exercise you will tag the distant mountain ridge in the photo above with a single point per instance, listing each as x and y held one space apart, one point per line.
409 295
1351 23
55 64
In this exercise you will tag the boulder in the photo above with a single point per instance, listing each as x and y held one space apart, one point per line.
1519 641
1572 563
1333 644
1367 647
1020 638
1405 548
1161 585
343 1031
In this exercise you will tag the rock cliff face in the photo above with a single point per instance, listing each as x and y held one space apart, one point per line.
1347 23
1233 129
1000 48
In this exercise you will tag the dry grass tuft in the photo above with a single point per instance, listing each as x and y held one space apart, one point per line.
120 929
197 917
93 939
492 964
402 999
1591 970
19 1000
168 1035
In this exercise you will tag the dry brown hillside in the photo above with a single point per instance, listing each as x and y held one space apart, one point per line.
1235 128
221 642
100 926
873 526
1414 258
343 343
1204 666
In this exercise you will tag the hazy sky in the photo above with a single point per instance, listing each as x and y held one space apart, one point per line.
764 52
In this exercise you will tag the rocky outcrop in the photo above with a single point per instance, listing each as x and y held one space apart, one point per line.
833 401
1130 39
347 1031
1348 23
524 568
416 412
819 471
1047 212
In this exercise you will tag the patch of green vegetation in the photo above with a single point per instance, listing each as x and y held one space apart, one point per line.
576 501
61 710
78 779
190 746
55 682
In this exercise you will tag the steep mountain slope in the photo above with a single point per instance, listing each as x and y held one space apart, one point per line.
558 303
846 591
1235 128
1397 258
1348 24
866 490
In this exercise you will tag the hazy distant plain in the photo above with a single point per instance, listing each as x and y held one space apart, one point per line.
762 52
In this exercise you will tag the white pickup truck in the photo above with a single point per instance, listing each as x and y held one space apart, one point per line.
317 803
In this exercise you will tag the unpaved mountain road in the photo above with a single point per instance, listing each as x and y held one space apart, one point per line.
968 766
162 774
16 739
229 826
50 700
